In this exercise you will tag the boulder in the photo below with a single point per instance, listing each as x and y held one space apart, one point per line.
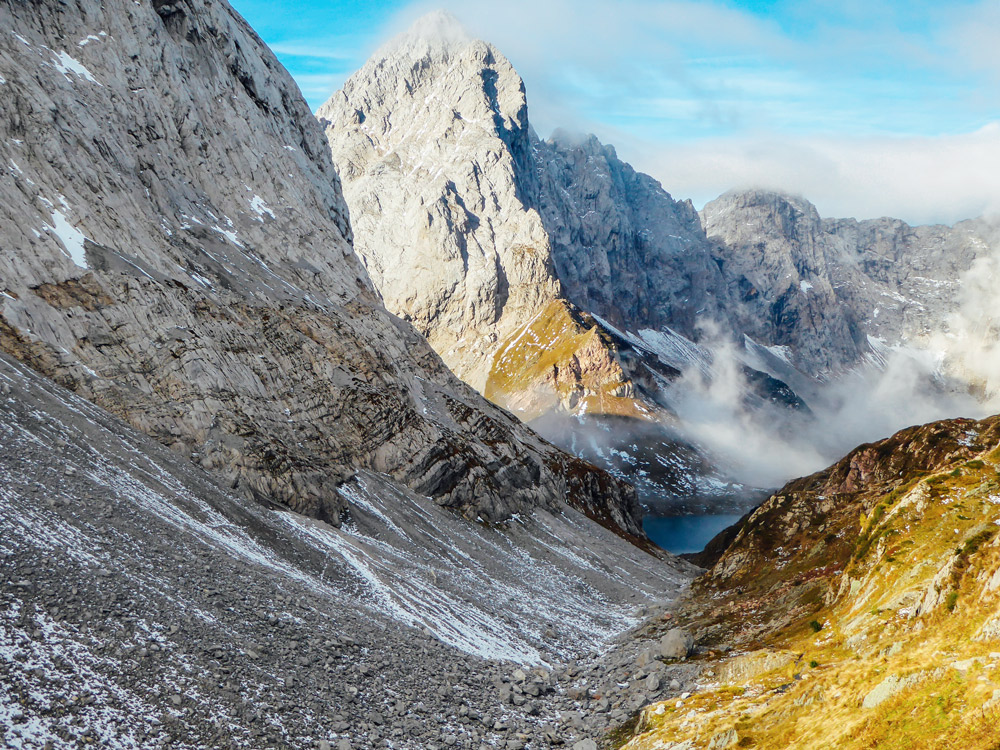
676 644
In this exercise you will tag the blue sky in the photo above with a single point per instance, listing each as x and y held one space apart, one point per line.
866 107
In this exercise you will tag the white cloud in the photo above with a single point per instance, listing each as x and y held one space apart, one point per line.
317 50
972 40
918 179
707 97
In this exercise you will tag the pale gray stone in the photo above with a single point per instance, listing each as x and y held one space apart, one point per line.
676 644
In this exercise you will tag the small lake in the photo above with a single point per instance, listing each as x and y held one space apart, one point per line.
684 534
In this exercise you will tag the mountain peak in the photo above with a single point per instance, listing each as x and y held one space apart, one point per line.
438 28
761 195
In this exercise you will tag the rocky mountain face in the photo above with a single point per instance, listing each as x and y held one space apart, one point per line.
191 350
143 603
822 287
622 247
187 264
856 607
509 252
567 287
499 224
432 146
808 530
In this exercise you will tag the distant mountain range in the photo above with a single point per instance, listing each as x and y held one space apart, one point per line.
576 292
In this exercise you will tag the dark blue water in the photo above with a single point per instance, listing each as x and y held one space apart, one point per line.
681 534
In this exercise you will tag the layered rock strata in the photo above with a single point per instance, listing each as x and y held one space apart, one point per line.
187 264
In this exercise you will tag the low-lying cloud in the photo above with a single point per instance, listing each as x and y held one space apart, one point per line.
954 372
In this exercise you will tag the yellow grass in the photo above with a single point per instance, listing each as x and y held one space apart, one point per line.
868 636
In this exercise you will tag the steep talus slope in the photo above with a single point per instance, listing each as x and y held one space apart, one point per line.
186 263
144 604
861 603
823 286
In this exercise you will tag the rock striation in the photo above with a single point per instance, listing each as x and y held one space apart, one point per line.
622 247
187 264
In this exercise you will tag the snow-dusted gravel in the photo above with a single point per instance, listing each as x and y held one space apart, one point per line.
142 605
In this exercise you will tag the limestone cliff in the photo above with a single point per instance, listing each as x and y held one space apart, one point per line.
623 248
175 247
431 142
501 248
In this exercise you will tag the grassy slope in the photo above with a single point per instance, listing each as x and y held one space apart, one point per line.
911 597
561 359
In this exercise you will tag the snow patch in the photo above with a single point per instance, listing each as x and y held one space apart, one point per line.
805 286
259 207
229 234
66 64
72 239
201 279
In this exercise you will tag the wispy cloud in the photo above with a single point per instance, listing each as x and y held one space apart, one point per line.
865 106
316 51
921 179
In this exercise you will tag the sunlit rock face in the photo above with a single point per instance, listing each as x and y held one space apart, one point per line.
470 225
432 144
869 587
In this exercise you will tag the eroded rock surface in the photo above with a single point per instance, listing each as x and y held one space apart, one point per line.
176 249
623 248
822 286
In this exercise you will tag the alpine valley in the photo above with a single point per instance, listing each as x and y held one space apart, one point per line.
623 325
339 430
